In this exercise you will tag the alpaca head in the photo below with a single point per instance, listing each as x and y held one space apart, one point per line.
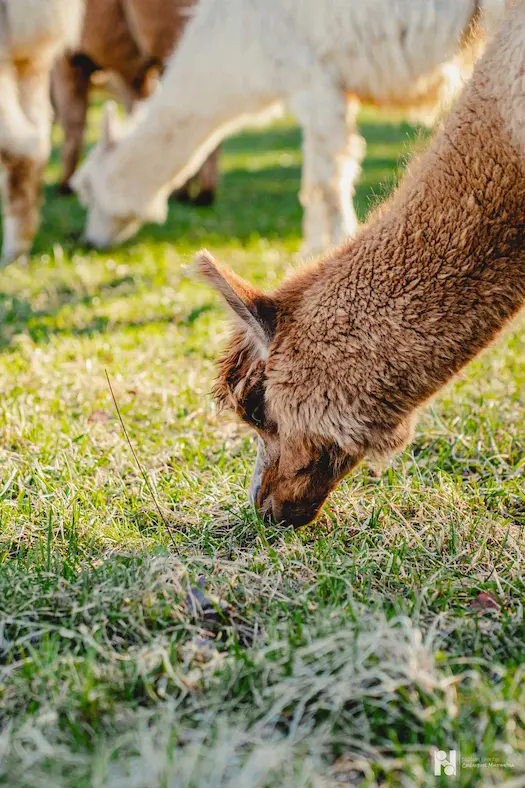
114 214
295 469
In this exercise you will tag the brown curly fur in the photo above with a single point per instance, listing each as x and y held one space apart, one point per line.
363 337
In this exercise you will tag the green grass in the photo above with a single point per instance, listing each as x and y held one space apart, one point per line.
249 655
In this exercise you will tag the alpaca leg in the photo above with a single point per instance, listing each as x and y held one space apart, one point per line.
200 188
21 182
23 173
70 88
207 178
17 134
351 168
182 194
18 141
34 89
330 166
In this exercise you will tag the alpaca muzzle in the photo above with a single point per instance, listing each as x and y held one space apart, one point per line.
287 512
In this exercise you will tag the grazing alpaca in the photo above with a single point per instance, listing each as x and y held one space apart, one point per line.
239 57
332 367
131 39
32 32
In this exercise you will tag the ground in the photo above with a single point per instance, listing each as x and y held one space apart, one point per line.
240 654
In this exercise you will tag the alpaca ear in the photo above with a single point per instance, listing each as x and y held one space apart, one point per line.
256 310
109 124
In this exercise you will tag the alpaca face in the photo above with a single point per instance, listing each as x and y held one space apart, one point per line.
104 230
111 220
295 483
293 474
104 227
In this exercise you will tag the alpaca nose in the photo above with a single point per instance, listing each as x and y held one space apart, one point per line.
298 515
292 513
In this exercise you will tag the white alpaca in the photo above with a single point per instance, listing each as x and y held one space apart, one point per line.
239 57
32 32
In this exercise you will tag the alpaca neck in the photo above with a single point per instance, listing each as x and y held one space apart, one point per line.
179 126
448 263
433 277
166 147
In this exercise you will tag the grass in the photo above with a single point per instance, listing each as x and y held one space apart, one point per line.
344 653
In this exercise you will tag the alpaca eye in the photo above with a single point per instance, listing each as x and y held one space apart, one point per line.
253 408
252 404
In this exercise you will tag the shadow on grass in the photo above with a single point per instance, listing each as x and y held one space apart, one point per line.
254 201
18 315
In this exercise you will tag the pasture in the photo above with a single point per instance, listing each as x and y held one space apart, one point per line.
246 654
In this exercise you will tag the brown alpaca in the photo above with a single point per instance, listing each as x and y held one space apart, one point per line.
332 367
130 39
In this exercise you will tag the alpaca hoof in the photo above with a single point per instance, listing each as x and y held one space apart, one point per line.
8 258
205 198
14 248
180 195
64 189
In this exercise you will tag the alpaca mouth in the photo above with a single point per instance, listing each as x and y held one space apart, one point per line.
289 513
